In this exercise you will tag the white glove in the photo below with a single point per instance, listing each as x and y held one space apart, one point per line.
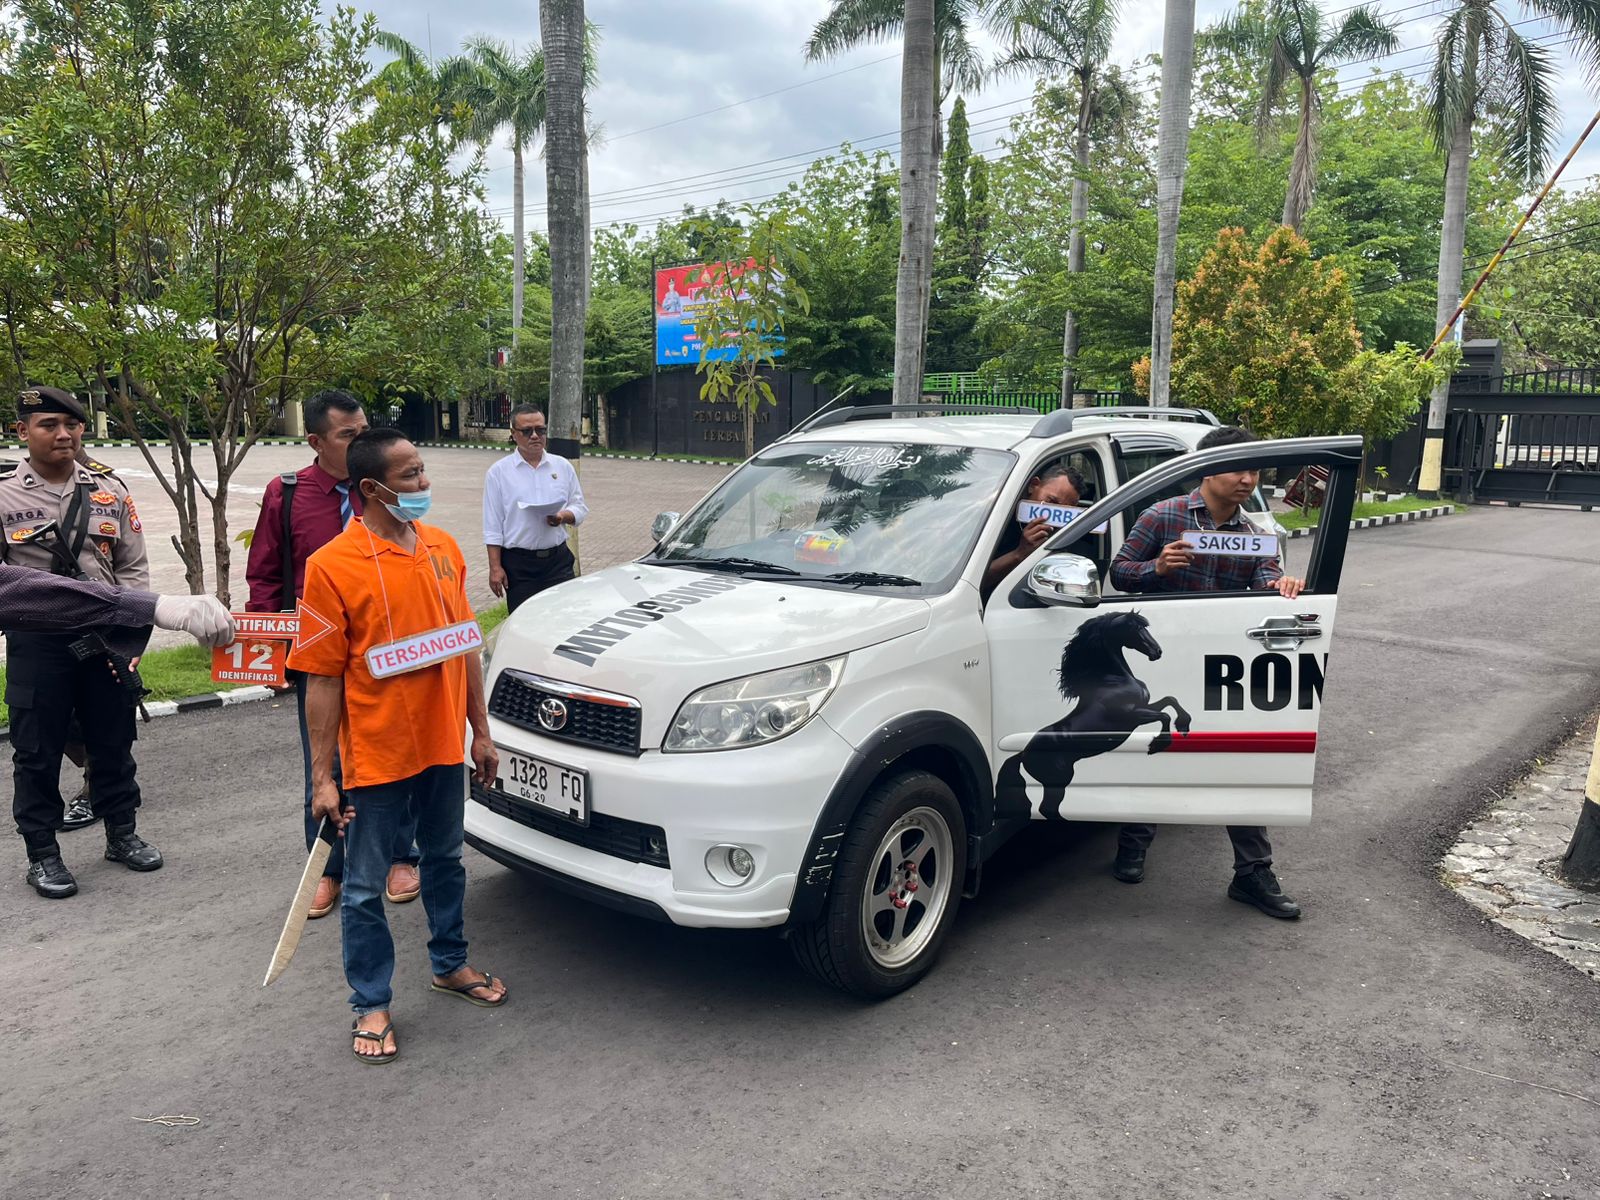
202 616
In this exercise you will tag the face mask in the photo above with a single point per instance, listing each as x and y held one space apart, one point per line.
410 506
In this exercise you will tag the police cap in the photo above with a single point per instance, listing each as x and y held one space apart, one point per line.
49 400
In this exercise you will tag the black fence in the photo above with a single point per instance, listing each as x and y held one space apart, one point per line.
682 423
1539 448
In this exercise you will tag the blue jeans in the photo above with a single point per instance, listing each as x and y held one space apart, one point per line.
436 801
405 848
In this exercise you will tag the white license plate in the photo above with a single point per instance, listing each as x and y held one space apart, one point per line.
543 784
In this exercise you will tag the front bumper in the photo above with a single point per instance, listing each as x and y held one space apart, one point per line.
764 798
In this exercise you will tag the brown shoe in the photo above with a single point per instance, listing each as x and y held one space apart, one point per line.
326 899
404 883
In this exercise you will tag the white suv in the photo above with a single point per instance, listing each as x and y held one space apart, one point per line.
799 711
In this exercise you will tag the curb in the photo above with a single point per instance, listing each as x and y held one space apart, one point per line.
1417 514
171 708
501 447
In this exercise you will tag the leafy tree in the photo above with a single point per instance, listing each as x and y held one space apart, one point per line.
744 294
210 210
843 214
937 55
504 89
1266 337
955 302
1544 301
1293 40
1072 38
1485 70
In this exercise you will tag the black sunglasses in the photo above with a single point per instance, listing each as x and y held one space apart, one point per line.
530 431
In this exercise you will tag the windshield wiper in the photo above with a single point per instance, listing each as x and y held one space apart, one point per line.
871 579
738 566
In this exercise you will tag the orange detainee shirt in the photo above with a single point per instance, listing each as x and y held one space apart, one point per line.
372 593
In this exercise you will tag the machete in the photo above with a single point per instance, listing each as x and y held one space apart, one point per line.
295 923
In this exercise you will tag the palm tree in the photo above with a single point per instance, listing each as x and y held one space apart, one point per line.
568 70
1294 39
937 56
504 89
1071 37
1484 69
1172 151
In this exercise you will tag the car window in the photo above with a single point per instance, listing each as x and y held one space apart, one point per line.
839 513
1272 534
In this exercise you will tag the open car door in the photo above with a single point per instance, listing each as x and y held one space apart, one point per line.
1178 705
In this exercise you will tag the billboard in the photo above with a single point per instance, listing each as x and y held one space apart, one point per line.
677 296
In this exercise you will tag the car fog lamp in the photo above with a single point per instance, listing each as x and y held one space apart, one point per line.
755 709
730 865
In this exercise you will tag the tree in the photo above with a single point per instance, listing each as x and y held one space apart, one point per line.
742 296
954 299
1177 74
504 89
1484 70
568 66
1072 37
1266 337
1294 39
210 211
936 56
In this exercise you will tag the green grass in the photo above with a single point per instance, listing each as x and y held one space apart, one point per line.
180 671
1296 519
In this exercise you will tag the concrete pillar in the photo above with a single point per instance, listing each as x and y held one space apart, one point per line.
294 422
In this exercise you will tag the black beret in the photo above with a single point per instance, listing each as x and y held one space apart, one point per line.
50 400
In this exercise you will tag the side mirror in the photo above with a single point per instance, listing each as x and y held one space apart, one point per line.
662 525
1065 579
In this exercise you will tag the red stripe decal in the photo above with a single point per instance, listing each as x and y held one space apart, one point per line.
1294 741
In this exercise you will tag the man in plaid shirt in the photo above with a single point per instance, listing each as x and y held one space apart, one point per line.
1155 558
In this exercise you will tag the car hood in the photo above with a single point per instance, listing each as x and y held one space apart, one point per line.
658 633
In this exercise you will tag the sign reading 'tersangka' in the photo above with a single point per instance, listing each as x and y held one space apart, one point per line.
423 649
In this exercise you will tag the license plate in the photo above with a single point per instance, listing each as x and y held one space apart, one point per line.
543 784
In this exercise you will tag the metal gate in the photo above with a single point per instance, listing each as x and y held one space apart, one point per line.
1533 438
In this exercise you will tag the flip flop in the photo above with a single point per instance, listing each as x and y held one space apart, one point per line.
378 1037
465 991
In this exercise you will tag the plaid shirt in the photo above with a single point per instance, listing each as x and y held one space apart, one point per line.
1134 568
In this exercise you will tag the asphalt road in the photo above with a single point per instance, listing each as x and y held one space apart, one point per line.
1080 1038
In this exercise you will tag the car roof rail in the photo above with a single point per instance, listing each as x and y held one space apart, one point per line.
1062 419
839 414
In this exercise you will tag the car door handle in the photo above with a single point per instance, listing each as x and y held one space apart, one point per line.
1284 633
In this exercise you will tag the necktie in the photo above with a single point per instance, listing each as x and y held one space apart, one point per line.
343 488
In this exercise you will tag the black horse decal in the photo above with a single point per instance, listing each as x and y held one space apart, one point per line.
1111 705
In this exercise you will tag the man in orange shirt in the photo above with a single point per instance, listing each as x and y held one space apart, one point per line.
391 650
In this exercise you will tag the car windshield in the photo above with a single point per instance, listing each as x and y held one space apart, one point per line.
901 518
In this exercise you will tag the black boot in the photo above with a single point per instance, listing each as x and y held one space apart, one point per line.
79 811
125 846
51 879
1128 865
1259 886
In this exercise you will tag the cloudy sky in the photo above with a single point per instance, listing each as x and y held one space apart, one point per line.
687 105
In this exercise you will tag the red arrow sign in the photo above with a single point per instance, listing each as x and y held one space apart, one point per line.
285 625
311 626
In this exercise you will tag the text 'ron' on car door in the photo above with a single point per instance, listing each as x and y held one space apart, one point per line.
1163 657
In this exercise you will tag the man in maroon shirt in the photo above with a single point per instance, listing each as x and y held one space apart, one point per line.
320 503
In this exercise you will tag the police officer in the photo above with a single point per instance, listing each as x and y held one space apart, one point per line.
76 520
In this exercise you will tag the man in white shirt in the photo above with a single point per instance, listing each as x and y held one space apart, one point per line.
529 498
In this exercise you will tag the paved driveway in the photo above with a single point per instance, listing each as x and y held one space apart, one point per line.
1080 1038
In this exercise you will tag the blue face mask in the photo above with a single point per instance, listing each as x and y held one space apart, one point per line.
410 506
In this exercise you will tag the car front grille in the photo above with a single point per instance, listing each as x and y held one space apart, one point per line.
616 836
598 719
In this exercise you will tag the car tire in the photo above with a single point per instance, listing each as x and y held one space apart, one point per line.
895 892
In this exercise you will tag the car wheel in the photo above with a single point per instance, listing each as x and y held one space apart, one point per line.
895 890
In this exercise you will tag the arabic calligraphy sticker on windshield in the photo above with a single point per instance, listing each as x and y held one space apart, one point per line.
883 458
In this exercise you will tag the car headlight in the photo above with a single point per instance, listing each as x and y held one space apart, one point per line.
753 710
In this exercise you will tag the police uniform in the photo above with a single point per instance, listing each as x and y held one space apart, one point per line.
98 537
